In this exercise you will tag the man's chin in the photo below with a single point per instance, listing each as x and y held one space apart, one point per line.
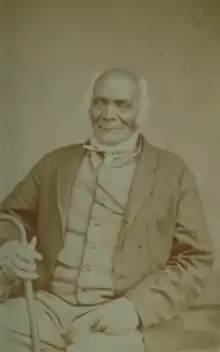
112 137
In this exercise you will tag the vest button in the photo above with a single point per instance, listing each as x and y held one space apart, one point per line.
86 268
96 224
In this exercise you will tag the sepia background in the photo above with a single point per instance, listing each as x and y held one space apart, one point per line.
49 51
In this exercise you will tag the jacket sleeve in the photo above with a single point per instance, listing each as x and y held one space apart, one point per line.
21 203
166 293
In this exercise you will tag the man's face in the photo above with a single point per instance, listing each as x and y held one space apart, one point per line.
114 108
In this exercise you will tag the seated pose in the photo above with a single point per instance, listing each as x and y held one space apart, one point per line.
118 245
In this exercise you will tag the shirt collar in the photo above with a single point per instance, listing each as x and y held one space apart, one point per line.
128 146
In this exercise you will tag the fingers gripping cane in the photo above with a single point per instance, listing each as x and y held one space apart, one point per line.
27 285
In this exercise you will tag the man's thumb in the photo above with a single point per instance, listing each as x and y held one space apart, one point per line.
32 246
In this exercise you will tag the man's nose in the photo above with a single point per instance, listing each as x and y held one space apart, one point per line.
109 111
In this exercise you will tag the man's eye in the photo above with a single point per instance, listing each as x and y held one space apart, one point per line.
123 105
98 102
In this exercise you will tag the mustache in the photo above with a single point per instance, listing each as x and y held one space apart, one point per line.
110 121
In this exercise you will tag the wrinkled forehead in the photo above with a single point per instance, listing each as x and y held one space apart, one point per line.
117 85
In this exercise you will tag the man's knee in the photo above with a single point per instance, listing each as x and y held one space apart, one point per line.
14 316
94 342
15 324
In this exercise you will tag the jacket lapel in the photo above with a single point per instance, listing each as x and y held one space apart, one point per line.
67 170
142 186
66 176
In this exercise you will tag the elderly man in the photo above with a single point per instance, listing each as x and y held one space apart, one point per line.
121 241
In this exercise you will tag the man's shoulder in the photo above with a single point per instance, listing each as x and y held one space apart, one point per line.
165 154
168 159
63 152
58 157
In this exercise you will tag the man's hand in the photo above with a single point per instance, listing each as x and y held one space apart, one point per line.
83 325
115 318
18 261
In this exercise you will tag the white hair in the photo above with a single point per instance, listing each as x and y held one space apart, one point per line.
144 102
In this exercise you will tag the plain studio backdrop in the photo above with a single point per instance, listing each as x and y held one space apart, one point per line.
50 49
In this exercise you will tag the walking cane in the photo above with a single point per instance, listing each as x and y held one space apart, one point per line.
27 286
